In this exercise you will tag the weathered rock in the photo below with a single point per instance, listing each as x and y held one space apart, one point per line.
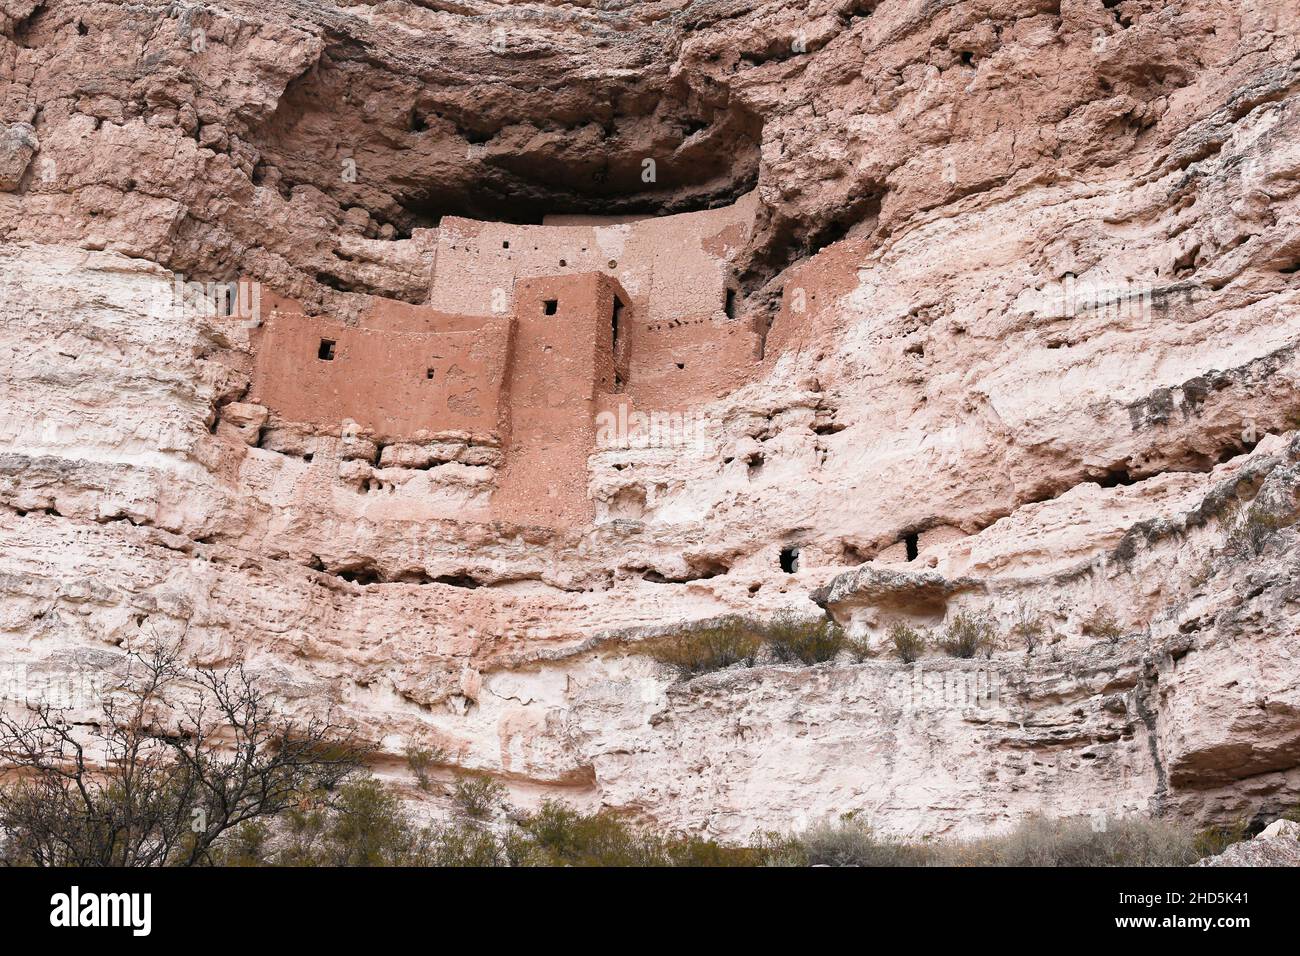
1277 848
17 144
1040 333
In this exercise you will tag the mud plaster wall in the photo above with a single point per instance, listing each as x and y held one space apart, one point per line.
561 363
678 346
391 378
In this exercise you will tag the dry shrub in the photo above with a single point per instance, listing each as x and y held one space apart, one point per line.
1040 841
1251 534
1028 629
846 842
969 634
420 760
711 647
804 641
907 643
1102 625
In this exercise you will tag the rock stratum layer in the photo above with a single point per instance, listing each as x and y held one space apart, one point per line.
1016 287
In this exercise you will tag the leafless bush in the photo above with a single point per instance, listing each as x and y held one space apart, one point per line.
177 759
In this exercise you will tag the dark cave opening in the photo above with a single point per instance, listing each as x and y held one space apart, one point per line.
912 543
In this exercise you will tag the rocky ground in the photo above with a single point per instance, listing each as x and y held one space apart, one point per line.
1064 367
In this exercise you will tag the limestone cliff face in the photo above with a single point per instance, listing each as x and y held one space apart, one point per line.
1023 284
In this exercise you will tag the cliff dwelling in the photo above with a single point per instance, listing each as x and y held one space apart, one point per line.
870 422
528 333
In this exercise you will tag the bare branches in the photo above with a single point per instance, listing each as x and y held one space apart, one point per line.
177 758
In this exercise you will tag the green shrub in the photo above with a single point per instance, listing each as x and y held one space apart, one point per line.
420 760
908 644
804 641
477 796
370 828
969 634
698 650
1214 840
559 835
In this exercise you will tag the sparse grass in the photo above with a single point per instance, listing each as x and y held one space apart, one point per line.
1102 625
907 643
846 842
808 642
969 634
477 796
712 647
1036 841
1040 841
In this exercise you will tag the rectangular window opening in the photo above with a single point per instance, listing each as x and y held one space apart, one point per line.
326 351
550 306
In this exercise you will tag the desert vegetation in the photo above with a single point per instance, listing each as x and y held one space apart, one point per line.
907 643
367 826
176 760
1251 532
786 638
969 634
789 639
192 767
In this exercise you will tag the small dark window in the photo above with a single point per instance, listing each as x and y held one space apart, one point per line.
789 560
326 351
428 373
563 263
681 364
615 317
550 306
729 306
911 543
505 244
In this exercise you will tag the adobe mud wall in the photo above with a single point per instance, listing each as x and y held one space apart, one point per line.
391 378
554 324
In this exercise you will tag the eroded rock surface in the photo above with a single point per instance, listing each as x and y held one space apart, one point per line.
1021 280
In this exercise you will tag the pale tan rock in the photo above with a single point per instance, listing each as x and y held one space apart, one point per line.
1047 327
